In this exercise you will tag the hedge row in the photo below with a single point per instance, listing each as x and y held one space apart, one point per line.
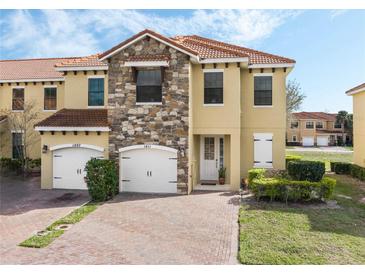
348 169
286 190
290 158
312 171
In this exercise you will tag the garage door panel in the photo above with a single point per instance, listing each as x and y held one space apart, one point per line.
148 170
308 141
322 140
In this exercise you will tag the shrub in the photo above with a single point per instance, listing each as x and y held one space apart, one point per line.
357 172
290 158
8 164
341 168
287 190
312 171
256 173
101 179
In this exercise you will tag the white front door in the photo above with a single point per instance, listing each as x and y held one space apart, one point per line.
69 165
148 168
211 156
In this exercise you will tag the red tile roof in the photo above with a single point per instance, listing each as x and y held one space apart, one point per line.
87 61
205 48
30 69
314 116
209 48
76 118
359 87
155 57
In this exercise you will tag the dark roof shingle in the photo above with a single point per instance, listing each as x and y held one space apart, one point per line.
76 118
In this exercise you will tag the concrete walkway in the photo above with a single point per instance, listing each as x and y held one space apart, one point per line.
320 149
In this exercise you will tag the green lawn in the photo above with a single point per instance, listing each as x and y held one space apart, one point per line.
74 217
273 233
327 157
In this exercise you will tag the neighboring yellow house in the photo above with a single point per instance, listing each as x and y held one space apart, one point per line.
315 129
171 111
358 95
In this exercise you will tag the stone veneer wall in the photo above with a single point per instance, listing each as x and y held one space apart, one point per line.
165 124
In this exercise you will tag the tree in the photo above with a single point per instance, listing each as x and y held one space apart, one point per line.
345 119
294 97
23 122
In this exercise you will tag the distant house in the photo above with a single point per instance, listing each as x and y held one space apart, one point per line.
315 129
358 97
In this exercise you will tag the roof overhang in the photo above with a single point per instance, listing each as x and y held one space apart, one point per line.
104 129
146 64
34 80
283 65
356 91
80 68
223 60
142 36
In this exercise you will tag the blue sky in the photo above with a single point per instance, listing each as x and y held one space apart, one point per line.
328 45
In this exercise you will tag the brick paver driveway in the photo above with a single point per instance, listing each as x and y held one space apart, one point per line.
147 229
25 209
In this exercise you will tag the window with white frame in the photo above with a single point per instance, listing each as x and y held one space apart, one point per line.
50 98
263 150
309 125
96 92
294 124
213 87
18 99
319 124
294 138
337 125
262 90
149 86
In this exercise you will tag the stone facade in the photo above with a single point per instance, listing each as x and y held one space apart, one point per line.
166 124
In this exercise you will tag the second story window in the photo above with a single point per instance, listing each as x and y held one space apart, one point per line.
50 98
149 86
213 88
263 90
319 125
294 124
337 125
96 92
309 125
18 99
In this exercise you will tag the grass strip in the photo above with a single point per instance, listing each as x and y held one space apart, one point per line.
40 241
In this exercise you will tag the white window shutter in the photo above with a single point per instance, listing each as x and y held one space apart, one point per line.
263 150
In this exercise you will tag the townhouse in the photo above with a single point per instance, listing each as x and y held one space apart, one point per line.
315 129
170 111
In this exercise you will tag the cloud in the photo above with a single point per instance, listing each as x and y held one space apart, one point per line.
335 13
82 32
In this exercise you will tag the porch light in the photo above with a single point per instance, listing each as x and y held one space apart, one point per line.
44 149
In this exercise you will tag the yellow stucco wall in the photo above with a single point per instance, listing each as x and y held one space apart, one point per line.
263 119
32 93
58 138
76 88
359 128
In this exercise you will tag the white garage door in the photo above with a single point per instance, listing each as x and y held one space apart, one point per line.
308 141
322 141
69 164
149 168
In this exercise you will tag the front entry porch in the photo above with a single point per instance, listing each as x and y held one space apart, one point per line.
212 154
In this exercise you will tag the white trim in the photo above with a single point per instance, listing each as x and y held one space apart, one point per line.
17 131
146 64
103 129
149 103
34 80
213 105
57 147
213 70
263 106
96 107
263 74
140 38
50 86
17 110
223 60
49 110
283 65
356 91
81 68
123 149
95 76
16 87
